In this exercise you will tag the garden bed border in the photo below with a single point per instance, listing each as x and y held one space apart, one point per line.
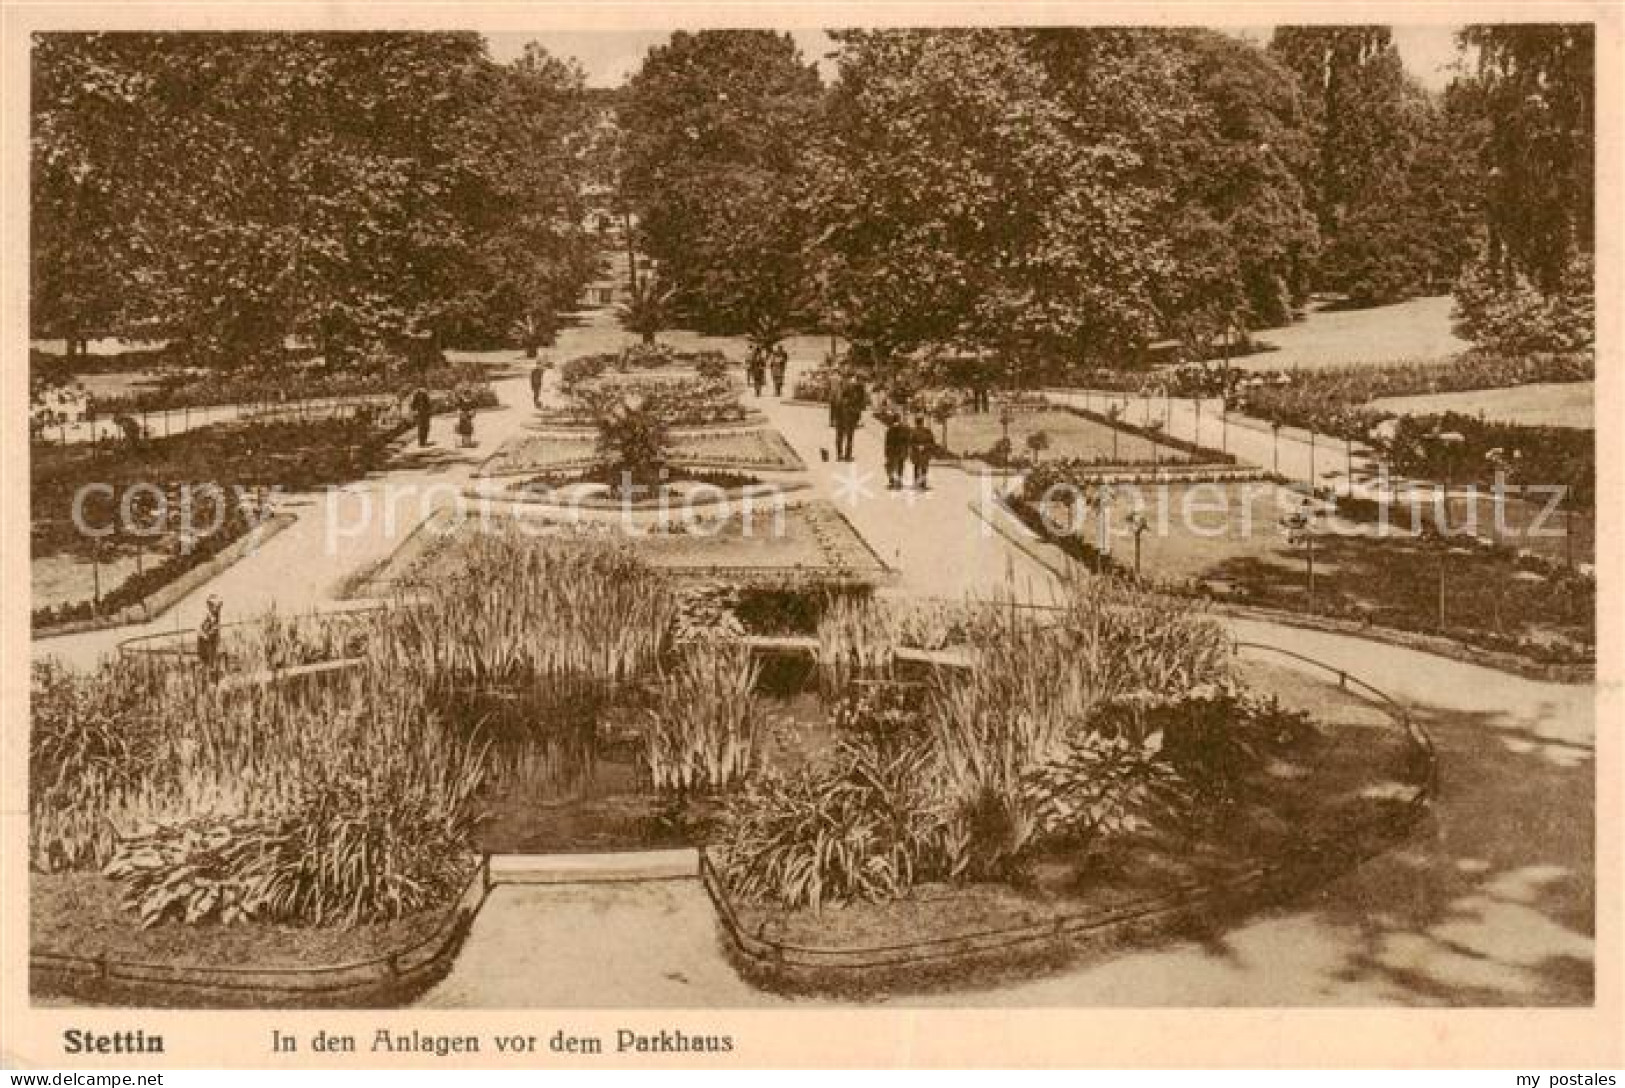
381 981
161 600
805 968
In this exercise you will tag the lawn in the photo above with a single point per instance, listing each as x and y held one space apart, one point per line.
1070 436
297 456
66 578
1415 329
1195 528
1556 404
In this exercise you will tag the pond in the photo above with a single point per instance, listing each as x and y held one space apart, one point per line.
576 786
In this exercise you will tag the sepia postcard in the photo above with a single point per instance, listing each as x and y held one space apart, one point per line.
739 536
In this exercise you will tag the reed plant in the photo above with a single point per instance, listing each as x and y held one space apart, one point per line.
510 609
1036 686
354 794
701 735
857 636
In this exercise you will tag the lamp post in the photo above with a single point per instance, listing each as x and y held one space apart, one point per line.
1300 529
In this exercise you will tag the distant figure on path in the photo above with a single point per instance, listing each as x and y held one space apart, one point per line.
846 412
899 439
422 407
465 426
756 369
208 635
921 445
537 374
778 360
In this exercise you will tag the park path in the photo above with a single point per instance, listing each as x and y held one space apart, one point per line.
345 530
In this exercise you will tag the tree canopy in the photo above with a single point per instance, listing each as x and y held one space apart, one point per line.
227 191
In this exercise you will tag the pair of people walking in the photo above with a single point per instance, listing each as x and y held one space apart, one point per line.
908 446
765 362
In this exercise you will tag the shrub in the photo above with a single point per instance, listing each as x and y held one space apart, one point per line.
1101 787
634 439
1504 311
793 607
1212 735
861 825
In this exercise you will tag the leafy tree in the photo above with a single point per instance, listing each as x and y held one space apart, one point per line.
1531 101
959 201
349 188
1391 208
716 124
1222 134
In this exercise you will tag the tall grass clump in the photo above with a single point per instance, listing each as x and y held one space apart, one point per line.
702 730
1035 689
857 636
864 824
338 799
512 609
97 751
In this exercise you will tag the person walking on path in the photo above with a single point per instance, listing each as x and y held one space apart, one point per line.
778 360
846 412
756 368
537 375
921 445
465 426
422 408
899 439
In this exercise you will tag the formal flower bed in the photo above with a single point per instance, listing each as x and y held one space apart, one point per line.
815 385
1475 594
740 449
1335 400
765 538
192 388
679 398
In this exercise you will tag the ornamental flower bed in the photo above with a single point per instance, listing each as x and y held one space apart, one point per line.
294 382
680 399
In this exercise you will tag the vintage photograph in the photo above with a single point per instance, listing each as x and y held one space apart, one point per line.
701 518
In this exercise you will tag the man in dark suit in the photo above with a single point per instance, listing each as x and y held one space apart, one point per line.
846 412
422 408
